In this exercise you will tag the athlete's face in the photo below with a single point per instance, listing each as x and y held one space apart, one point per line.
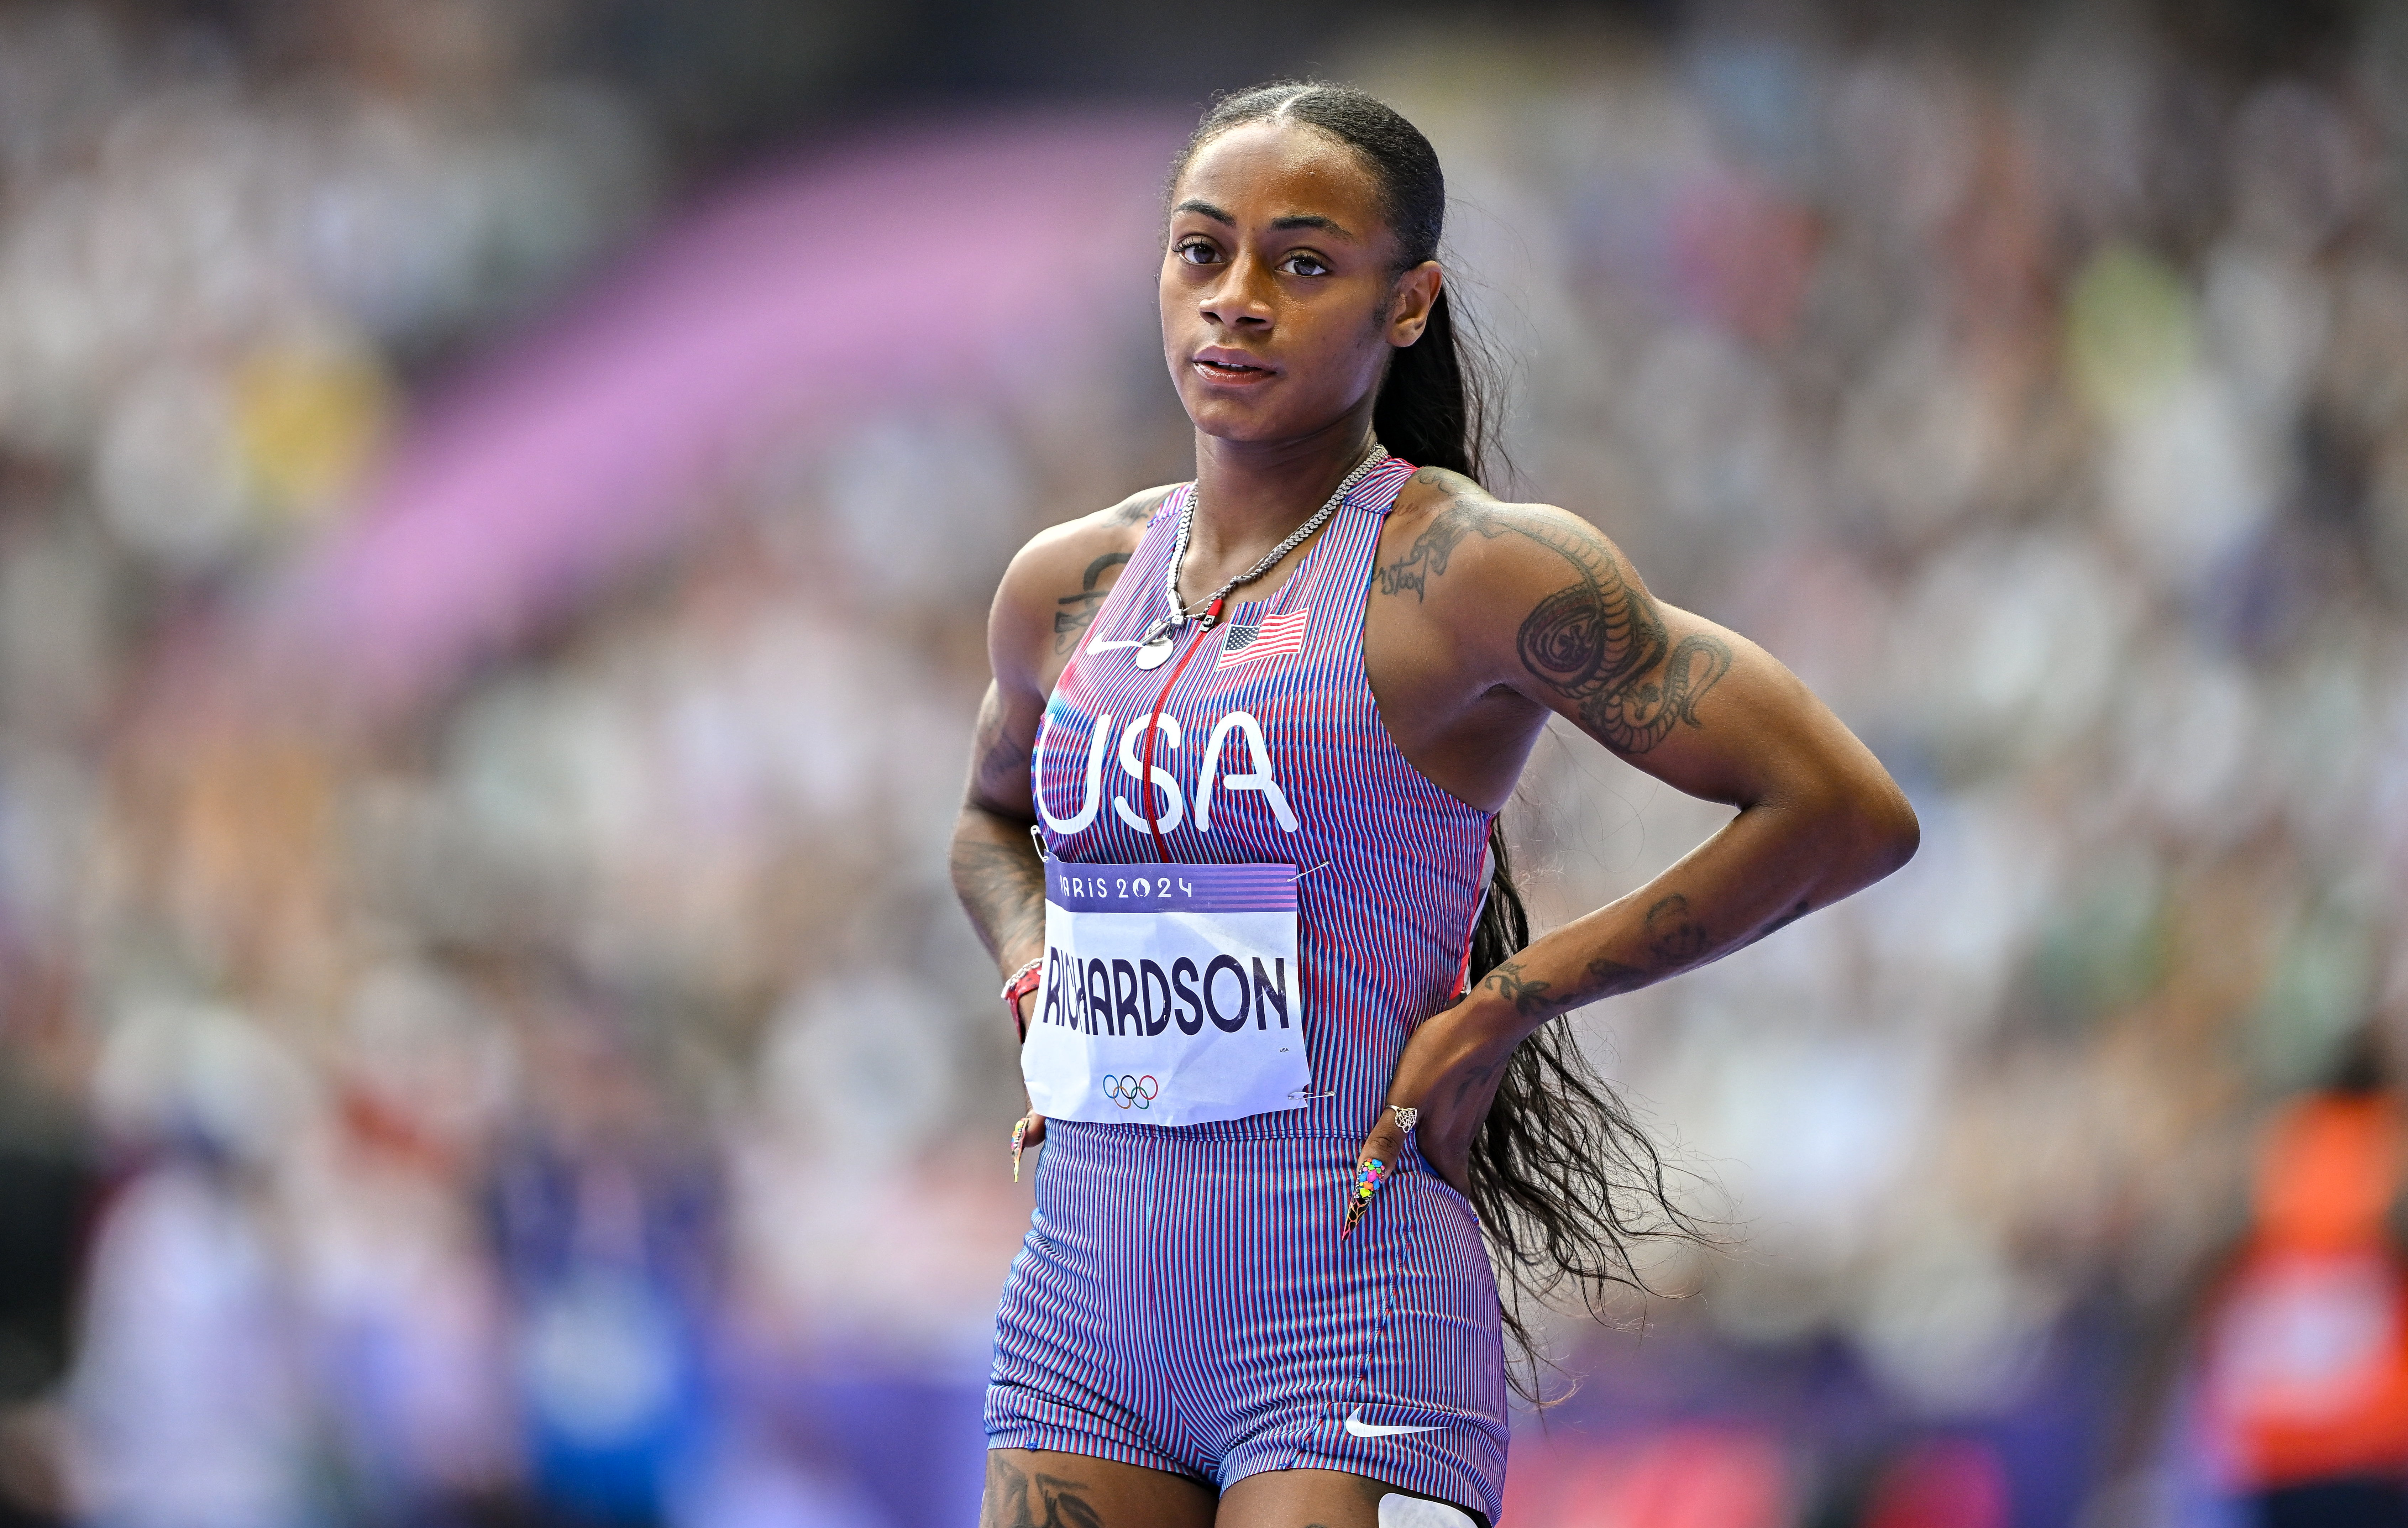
1281 299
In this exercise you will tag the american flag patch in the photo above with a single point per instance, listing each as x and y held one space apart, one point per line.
1268 636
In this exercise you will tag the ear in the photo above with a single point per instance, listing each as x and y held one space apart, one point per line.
1411 301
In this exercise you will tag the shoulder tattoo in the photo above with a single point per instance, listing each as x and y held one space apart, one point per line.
1428 555
1138 507
1076 612
1598 641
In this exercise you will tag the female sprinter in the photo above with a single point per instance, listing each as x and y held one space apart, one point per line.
1230 826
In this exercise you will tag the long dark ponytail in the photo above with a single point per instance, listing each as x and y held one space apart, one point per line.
1566 1180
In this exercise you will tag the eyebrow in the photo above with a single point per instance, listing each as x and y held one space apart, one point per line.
1299 219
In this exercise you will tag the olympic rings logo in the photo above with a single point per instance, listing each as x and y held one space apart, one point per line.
1132 1092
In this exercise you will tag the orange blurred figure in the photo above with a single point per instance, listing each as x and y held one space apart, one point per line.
2306 1397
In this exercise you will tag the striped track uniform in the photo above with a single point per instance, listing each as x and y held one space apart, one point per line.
1183 1300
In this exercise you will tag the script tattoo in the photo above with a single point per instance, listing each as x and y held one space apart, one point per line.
1599 641
1078 611
1015 1497
1434 546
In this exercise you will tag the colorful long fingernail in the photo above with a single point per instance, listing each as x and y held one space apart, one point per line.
1368 1174
1019 1139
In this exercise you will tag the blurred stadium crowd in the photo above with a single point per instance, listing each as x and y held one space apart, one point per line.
567 1093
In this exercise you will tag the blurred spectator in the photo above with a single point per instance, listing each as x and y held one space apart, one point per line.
608 1243
2306 1374
48 1187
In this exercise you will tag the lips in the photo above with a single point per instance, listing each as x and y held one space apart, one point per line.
1227 365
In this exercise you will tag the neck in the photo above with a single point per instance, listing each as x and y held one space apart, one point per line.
1249 494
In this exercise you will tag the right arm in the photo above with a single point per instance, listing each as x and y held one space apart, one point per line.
996 873
1048 599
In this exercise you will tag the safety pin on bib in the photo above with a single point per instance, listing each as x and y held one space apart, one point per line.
1299 1095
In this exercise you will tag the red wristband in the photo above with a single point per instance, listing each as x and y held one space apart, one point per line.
1023 981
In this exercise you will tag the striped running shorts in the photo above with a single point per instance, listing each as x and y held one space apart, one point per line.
1183 1302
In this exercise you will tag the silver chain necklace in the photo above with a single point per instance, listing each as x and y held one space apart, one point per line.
1153 648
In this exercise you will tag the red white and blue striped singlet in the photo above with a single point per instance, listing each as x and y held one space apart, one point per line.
1271 751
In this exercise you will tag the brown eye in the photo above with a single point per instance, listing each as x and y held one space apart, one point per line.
1304 264
1196 252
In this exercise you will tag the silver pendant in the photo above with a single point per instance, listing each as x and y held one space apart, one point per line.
1154 652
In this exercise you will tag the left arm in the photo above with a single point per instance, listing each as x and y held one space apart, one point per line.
1543 605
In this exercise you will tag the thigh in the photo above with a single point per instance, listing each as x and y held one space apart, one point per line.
1333 1499
1032 1488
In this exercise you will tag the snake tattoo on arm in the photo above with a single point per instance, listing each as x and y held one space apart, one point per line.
1599 642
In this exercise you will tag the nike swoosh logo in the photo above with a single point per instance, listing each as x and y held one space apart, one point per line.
1100 645
1357 1426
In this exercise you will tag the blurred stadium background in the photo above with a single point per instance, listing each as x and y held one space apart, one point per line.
497 502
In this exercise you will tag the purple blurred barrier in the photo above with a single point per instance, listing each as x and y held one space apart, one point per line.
939 263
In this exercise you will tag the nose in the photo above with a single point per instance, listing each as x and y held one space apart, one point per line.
1241 298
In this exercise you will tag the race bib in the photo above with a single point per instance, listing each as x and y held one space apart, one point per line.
1172 994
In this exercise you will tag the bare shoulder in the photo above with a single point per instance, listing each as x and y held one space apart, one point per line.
1537 599
1450 540
1056 584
